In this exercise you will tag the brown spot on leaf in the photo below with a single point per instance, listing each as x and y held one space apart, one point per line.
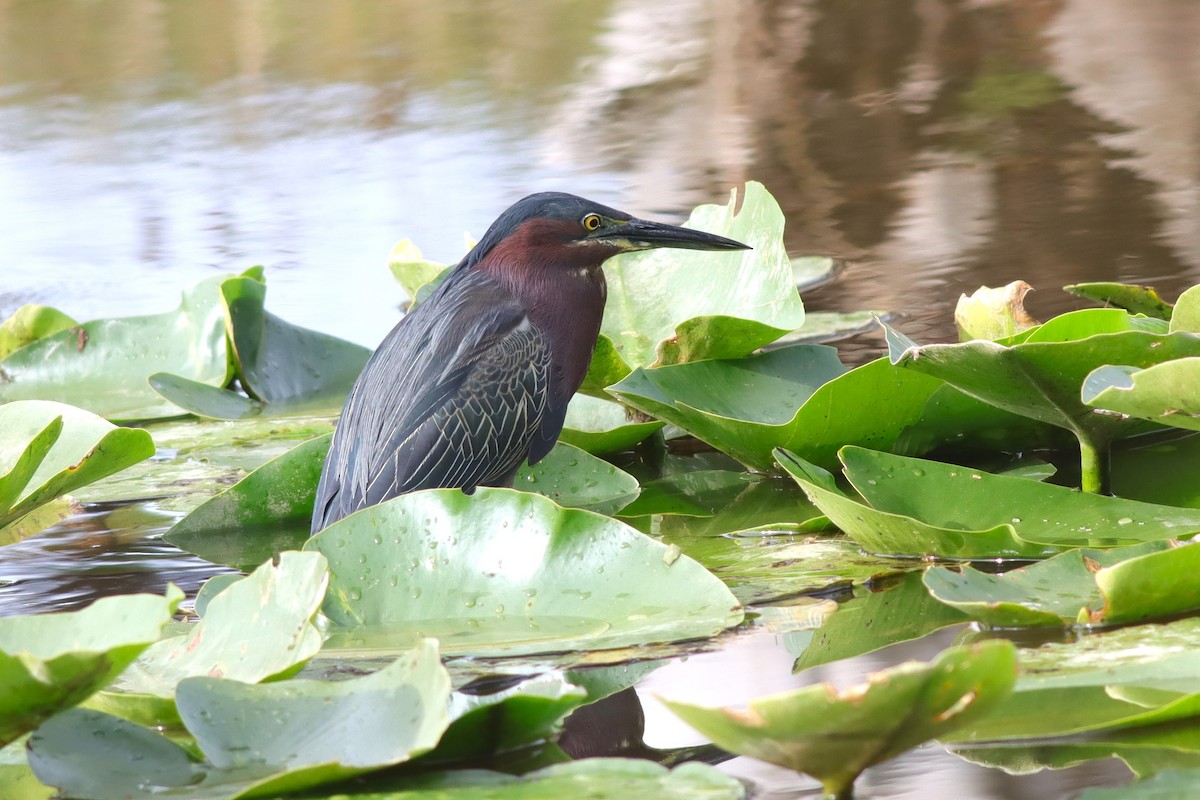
81 338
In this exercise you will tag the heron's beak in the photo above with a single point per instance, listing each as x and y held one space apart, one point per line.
640 234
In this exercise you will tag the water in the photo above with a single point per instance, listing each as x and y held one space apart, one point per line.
937 146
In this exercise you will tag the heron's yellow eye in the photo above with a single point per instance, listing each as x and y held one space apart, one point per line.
591 222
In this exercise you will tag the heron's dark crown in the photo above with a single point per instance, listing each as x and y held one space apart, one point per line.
542 205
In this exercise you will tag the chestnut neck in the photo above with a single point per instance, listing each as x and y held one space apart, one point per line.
562 288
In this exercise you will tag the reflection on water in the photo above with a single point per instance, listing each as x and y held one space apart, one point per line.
939 144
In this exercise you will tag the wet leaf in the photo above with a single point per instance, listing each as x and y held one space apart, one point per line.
270 510
257 739
505 573
49 449
993 313
484 726
745 407
258 628
901 611
1042 377
50 662
828 326
654 314
28 324
287 370
969 499
1134 299
602 426
1059 591
834 736
1185 316
1164 393
103 366
411 269
896 534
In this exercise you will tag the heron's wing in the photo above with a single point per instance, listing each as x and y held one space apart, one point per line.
452 398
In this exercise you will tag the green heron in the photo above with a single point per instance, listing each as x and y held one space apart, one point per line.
476 379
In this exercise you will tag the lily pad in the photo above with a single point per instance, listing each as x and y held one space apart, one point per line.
411 269
1164 393
993 313
1135 299
829 326
602 426
103 366
745 407
49 449
30 323
286 370
258 628
655 316
270 510
257 739
1059 591
895 534
1185 316
834 735
969 499
486 726
1042 377
267 512
50 662
899 611
505 572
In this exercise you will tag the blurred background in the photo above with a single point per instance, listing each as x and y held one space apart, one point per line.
936 144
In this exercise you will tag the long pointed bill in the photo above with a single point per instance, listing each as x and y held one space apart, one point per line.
640 234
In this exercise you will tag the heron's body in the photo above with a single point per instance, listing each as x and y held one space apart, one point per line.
476 379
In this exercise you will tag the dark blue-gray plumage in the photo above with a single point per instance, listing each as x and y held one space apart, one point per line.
475 380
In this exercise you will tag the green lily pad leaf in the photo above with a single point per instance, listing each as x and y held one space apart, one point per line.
602 426
743 407
606 368
1042 377
485 726
270 510
829 326
103 366
211 402
50 662
411 269
30 323
1041 513
1134 299
834 735
655 316
49 449
199 458
503 572
293 370
1185 316
810 272
257 739
900 611
258 628
267 512
593 778
1164 393
576 479
1151 585
895 534
994 313
1059 591
213 587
